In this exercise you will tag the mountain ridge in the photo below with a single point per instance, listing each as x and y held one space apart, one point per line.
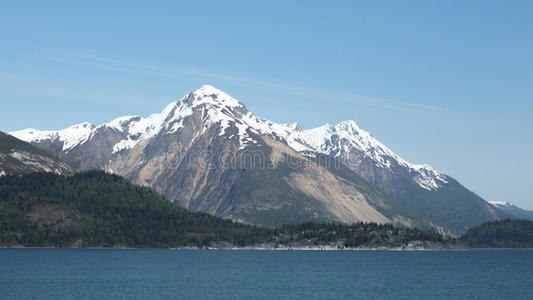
19 157
183 153
139 129
514 210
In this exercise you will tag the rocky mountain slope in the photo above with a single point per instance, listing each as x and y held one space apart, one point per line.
19 157
424 195
207 152
513 210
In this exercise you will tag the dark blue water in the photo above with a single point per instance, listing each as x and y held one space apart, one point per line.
111 274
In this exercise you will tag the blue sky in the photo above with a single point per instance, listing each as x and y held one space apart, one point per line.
448 83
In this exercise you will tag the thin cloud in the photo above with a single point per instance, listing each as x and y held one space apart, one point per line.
234 80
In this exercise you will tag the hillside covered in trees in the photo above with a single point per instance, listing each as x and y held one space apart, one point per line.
501 234
96 209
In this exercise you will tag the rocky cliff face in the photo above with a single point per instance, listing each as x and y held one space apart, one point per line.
207 152
18 157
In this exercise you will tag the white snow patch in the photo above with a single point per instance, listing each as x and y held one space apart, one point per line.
124 144
501 204
119 123
71 136
207 94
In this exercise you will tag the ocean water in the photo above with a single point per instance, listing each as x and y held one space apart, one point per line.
178 274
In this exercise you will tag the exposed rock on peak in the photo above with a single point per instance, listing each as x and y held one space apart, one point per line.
208 152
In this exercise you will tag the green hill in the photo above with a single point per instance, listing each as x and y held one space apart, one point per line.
500 234
96 209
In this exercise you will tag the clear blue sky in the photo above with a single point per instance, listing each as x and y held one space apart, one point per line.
448 83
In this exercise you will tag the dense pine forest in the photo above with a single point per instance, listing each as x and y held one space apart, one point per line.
96 209
501 234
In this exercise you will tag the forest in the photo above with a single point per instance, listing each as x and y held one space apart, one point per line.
500 234
95 209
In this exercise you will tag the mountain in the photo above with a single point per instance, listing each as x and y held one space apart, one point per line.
427 197
207 152
513 210
19 157
95 209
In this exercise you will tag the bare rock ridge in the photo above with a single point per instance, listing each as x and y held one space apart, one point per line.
207 152
19 157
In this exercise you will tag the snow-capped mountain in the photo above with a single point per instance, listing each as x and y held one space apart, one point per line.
353 145
69 137
199 152
19 157
215 106
344 140
512 209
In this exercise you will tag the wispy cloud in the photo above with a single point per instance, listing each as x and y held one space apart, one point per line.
306 93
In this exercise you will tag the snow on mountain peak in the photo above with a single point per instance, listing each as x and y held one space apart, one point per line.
207 89
216 107
348 125
501 203
75 135
208 94
70 136
344 137
294 126
119 123
219 107
348 140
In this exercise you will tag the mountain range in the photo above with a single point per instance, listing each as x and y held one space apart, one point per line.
514 210
18 157
206 152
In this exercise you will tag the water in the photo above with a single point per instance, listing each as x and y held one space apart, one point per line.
142 274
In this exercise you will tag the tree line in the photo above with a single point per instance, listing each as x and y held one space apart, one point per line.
95 209
500 234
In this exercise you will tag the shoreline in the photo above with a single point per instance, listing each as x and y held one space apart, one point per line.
259 248
252 248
